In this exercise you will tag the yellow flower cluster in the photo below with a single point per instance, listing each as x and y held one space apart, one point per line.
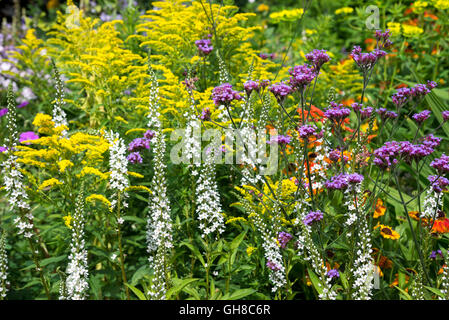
395 28
286 15
407 30
93 171
94 57
344 10
67 220
441 4
63 164
419 6
80 151
250 250
101 198
411 31
49 183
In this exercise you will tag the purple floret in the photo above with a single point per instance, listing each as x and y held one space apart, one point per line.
313 216
422 116
280 139
317 58
439 184
204 46
336 112
301 77
224 94
134 157
284 238
251 86
280 91
441 164
28 135
307 131
445 115
138 144
333 273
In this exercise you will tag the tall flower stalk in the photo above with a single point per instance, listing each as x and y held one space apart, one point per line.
16 190
159 224
76 283
118 182
4 283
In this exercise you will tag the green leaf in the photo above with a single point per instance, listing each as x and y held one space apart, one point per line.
435 290
179 284
139 274
405 294
241 293
315 281
137 292
195 251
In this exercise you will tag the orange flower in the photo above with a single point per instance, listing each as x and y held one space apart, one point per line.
347 102
441 225
407 278
381 260
441 269
429 15
379 209
314 112
371 44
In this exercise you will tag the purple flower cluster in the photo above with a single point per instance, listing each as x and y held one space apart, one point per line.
251 86
366 61
204 46
445 115
312 216
389 154
301 76
333 273
273 266
284 238
419 91
434 254
134 157
343 180
307 131
280 91
317 58
265 56
149 134
3 149
138 144
366 112
224 94
335 155
386 155
431 141
28 135
422 116
382 38
441 164
264 83
336 112
280 139
439 184
385 114
205 114
3 111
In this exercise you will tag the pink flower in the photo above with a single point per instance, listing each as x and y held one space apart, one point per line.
28 135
